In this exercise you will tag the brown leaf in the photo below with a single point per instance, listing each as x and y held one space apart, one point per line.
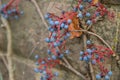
95 1
74 26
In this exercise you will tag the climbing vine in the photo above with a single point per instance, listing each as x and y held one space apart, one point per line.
69 25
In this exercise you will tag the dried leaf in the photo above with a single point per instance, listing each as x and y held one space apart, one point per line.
95 1
74 26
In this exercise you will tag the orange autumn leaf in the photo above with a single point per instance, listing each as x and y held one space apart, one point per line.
74 26
95 1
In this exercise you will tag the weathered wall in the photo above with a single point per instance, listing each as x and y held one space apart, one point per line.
28 34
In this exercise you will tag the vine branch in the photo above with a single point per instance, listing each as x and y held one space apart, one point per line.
9 47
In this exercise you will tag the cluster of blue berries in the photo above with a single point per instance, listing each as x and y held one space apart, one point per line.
93 55
44 67
106 77
6 13
58 35
82 15
87 55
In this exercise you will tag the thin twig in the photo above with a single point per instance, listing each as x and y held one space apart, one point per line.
9 46
66 61
99 37
85 47
68 66
5 62
73 70
1 77
40 13
97 18
117 30
2 54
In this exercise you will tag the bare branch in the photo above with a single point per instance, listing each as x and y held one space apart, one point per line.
99 37
9 46
40 13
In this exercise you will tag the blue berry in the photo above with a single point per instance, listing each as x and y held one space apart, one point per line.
81 7
47 40
69 21
88 14
102 60
3 6
107 77
80 58
21 12
110 73
52 39
36 56
9 11
56 22
36 70
67 51
63 12
93 61
80 15
54 34
48 51
96 56
88 42
47 16
58 43
36 63
62 25
40 71
68 34
85 58
55 44
16 17
89 51
13 10
57 51
89 22
49 58
49 19
61 41
85 0
54 57
81 53
89 56
51 30
98 76
75 9
89 1
51 23
66 37
46 76
5 16
43 62
66 26
43 78
97 14
61 56
44 72
56 74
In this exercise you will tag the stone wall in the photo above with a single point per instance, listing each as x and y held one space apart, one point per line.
29 32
